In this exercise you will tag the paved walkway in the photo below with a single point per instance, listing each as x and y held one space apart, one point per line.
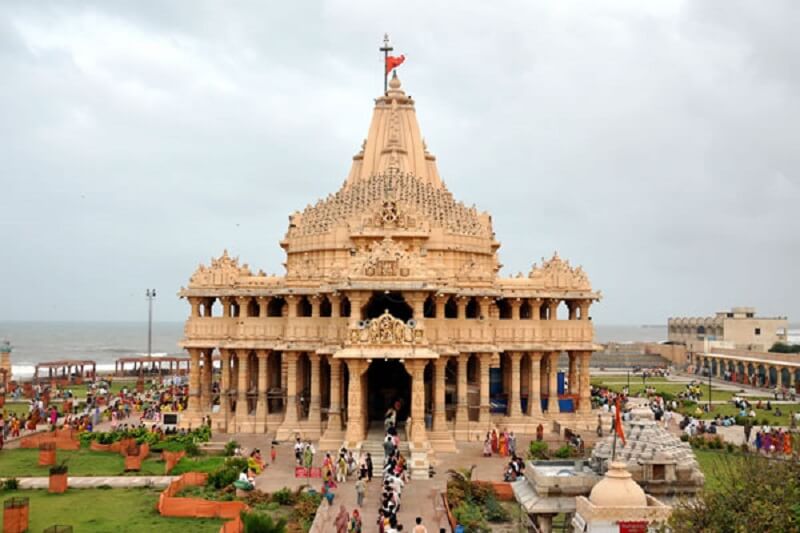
117 482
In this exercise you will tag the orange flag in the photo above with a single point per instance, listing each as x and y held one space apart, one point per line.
618 422
392 62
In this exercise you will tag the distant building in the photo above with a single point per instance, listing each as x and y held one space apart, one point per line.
738 328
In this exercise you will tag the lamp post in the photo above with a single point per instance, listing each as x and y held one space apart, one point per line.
709 389
150 294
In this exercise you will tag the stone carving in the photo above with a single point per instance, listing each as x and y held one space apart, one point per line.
224 271
556 273
388 259
384 330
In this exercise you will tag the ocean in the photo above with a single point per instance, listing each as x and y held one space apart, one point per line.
104 342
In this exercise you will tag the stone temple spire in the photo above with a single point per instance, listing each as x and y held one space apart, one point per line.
394 142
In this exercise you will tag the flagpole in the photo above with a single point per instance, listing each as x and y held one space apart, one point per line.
386 48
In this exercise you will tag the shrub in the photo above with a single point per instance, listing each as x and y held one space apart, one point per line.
305 508
565 452
283 497
730 448
192 450
538 450
230 447
11 483
471 517
255 522
60 468
684 437
494 511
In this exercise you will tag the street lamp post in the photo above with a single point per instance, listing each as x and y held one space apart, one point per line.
150 294
709 389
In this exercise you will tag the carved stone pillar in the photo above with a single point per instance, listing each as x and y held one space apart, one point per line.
355 423
224 403
291 388
336 303
244 305
485 408
261 402
572 376
514 408
462 412
573 309
194 380
439 413
586 384
205 380
461 307
418 435
356 301
440 300
335 410
263 303
552 388
552 309
291 301
584 306
536 308
314 300
314 409
242 386
534 385
195 303
226 306
515 304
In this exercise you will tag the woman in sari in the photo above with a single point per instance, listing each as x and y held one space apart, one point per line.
495 443
503 448
487 446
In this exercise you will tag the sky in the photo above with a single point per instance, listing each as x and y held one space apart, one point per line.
654 143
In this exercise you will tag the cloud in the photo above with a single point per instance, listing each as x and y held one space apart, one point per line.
653 143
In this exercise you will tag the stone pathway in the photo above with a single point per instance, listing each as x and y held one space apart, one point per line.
117 482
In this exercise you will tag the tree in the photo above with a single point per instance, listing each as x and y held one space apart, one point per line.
752 493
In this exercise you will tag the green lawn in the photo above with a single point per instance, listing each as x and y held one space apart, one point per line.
714 465
112 510
207 463
761 414
83 462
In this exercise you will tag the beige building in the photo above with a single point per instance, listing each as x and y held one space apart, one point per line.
738 328
391 296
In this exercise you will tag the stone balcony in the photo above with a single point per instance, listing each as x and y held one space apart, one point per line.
507 334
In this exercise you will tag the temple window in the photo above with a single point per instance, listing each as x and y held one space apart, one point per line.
659 473
473 308
208 307
275 307
235 311
252 307
525 312
504 309
344 307
304 307
451 308
429 307
544 313
325 307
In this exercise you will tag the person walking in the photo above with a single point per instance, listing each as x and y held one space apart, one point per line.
419 528
361 490
342 520
369 466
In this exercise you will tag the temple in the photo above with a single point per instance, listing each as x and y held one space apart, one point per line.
391 296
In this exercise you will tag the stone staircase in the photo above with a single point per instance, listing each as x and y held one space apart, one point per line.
373 443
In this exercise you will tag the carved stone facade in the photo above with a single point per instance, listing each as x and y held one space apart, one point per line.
391 297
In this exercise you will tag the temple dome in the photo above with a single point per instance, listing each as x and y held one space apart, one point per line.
618 489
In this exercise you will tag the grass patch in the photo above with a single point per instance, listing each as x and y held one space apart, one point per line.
198 464
110 510
716 466
83 462
761 414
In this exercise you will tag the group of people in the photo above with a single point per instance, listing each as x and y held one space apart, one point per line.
773 441
503 443
395 477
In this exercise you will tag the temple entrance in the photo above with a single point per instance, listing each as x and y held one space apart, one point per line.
388 383
393 302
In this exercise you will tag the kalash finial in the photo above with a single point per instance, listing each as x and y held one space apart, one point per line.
389 62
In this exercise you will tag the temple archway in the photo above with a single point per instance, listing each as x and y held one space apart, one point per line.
388 383
393 302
